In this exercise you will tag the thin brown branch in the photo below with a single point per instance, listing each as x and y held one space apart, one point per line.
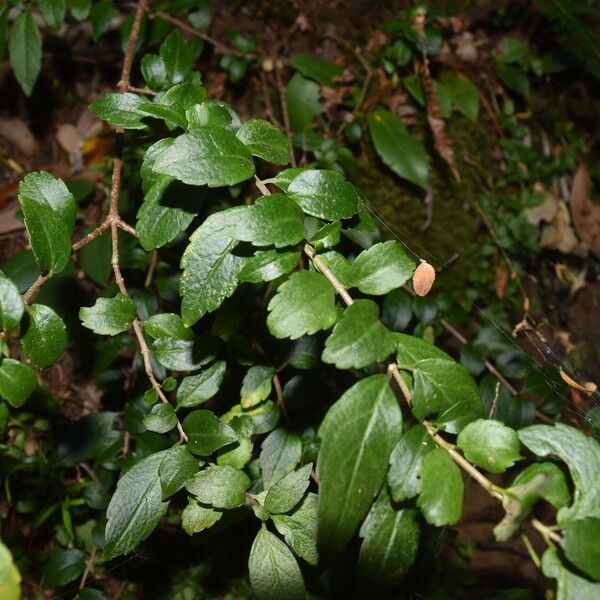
92 235
280 399
89 565
268 106
37 284
151 268
337 286
218 46
284 108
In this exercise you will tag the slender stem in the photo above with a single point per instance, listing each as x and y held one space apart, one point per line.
89 564
547 533
530 549
37 284
337 286
284 109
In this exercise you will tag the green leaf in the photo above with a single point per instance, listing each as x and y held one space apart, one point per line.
209 156
213 113
582 456
196 518
95 258
265 140
176 467
207 433
256 385
302 97
280 453
120 110
11 304
322 71
209 269
274 572
154 71
288 491
381 268
267 265
25 51
515 79
238 455
197 389
304 304
10 578
463 93
53 12
80 9
299 528
17 381
101 15
168 209
178 57
184 355
135 508
580 543
406 461
490 444
324 194
161 418
399 150
359 338
556 488
171 115
389 547
167 325
327 236
63 567
201 17
412 349
357 436
442 489
44 338
109 316
221 487
569 585
3 30
273 220
49 210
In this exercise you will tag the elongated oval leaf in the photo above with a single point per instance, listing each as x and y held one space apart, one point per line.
274 572
357 436
265 140
399 150
207 433
120 110
135 508
11 304
25 51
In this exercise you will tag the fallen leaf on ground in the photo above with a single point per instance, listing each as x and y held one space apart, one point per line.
586 212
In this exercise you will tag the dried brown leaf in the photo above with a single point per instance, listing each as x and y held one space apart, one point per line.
586 212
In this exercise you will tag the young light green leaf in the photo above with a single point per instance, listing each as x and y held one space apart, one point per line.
302 97
63 567
206 433
569 585
120 110
490 444
17 381
399 150
324 194
288 491
299 528
135 508
322 71
109 316
274 572
221 487
359 338
581 454
11 304
267 265
580 543
389 547
442 489
280 453
256 385
304 304
196 518
265 140
176 467
161 418
101 15
381 268
209 156
167 325
25 51
80 9
463 93
357 436
44 337
209 269
10 578
49 211
273 220
197 389
404 476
